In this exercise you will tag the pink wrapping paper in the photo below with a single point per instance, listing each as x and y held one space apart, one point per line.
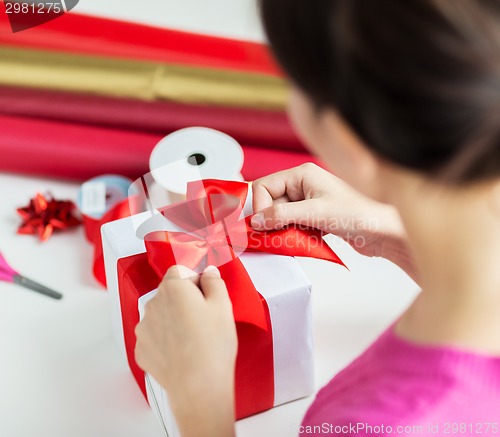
270 129
79 152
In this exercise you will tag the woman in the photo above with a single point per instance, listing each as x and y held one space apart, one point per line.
402 100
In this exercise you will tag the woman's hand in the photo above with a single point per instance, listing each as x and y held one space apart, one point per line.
310 196
187 342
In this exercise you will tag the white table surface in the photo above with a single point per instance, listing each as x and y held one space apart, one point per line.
61 374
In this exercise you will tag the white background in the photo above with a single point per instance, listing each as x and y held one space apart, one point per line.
61 374
231 18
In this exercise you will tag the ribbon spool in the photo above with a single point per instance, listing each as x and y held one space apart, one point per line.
100 194
192 154
101 200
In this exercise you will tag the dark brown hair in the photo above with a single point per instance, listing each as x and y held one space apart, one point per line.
418 80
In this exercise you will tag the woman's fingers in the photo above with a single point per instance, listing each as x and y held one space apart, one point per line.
182 272
209 282
281 214
212 285
287 184
267 190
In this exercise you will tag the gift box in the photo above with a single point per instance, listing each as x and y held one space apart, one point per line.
269 291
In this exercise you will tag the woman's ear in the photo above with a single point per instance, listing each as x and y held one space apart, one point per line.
495 199
329 137
348 156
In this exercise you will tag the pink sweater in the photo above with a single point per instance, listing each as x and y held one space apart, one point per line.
401 388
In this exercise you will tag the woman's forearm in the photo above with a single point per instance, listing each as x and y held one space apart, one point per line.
208 412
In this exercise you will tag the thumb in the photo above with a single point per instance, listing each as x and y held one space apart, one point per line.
282 214
212 285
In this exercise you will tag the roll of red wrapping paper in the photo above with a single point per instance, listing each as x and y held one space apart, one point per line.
79 152
83 34
270 129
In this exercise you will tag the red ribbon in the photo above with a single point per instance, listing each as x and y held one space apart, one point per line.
93 226
211 216
217 234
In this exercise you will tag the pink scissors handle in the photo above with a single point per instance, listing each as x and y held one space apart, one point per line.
7 273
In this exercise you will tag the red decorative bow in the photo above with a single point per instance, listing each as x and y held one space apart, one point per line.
44 215
216 234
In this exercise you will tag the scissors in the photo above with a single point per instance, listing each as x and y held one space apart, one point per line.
8 274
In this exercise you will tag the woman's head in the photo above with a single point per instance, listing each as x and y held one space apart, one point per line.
418 81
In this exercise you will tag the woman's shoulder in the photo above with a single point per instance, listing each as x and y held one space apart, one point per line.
396 383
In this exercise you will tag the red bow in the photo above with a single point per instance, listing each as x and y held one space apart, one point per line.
216 234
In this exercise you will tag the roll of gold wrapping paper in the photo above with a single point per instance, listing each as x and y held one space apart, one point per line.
139 79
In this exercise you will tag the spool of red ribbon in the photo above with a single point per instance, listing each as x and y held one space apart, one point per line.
101 200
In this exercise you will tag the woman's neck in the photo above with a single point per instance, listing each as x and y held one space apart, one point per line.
455 237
